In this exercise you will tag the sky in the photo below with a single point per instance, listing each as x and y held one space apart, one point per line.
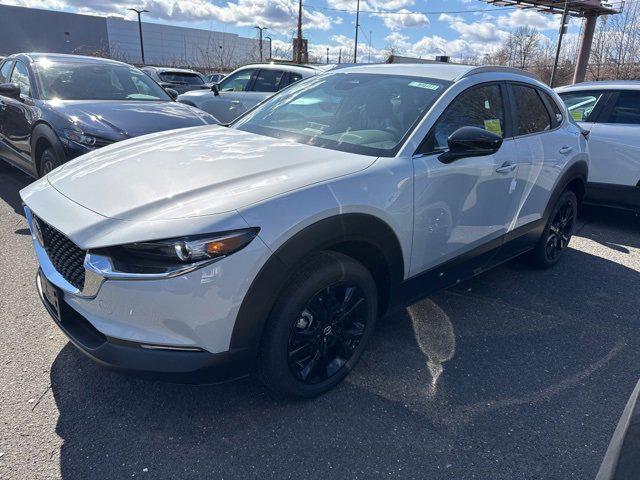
420 28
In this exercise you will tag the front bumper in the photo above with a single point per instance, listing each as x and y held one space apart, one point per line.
193 366
177 328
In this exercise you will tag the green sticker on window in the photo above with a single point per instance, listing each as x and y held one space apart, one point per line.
428 86
493 126
576 115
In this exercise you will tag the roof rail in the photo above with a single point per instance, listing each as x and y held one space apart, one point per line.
497 68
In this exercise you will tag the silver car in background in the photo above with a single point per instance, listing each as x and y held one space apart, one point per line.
245 87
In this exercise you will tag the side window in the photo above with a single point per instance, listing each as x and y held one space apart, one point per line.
267 81
4 71
626 108
555 109
293 78
481 106
581 104
20 76
532 115
236 82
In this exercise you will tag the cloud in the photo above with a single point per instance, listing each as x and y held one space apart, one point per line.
522 18
404 20
278 15
485 32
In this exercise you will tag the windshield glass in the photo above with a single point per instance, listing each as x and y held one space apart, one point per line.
86 81
183 78
354 112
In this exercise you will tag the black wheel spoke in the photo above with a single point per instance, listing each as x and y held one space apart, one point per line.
327 332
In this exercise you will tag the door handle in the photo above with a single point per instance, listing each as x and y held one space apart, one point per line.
235 102
507 167
565 150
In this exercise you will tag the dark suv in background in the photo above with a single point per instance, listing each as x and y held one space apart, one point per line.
179 79
55 107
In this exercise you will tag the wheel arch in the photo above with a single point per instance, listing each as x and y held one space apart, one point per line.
574 179
44 136
364 237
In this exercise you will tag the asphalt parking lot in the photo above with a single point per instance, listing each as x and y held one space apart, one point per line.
517 374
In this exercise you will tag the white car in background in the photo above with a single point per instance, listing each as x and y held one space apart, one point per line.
610 112
245 87
273 245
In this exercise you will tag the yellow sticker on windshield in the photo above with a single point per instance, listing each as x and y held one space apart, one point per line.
428 86
576 115
493 126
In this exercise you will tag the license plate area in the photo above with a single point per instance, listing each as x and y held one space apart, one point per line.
51 294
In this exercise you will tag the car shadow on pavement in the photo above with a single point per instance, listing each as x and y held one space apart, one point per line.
517 373
12 181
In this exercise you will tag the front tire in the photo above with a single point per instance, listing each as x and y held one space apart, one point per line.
558 231
48 162
319 327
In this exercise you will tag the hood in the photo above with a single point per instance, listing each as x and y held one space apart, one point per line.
194 172
117 120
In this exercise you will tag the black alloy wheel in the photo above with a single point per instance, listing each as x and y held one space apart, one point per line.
48 162
560 230
319 326
557 232
327 332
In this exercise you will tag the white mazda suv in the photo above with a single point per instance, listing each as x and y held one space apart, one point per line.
272 246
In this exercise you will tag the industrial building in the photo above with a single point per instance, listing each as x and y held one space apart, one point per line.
34 30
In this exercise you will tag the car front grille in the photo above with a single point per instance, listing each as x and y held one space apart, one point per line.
67 258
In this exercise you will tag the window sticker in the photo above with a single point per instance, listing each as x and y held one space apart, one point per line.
577 115
428 86
493 126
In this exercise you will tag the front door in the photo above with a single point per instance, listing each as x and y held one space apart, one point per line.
17 116
464 206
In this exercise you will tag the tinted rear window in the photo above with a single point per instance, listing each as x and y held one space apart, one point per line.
182 78
533 116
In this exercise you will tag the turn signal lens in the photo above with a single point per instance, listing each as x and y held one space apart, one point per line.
192 250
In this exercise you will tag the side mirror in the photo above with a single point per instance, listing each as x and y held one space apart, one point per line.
470 142
172 93
11 90
215 89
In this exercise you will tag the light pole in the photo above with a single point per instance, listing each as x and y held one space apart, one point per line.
140 12
298 55
261 29
355 48
270 49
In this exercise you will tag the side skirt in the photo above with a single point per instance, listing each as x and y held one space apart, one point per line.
618 196
470 264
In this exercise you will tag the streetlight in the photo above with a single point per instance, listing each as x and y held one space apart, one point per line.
261 29
140 12
270 45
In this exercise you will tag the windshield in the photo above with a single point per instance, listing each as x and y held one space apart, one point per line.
86 81
184 78
354 112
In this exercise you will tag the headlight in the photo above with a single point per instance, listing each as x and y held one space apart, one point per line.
79 137
164 255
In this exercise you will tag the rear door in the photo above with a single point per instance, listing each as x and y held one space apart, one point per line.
614 141
543 146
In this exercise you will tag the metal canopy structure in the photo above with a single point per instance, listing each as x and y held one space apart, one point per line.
590 10
575 8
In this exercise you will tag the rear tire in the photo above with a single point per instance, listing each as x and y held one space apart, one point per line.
48 162
557 232
319 326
